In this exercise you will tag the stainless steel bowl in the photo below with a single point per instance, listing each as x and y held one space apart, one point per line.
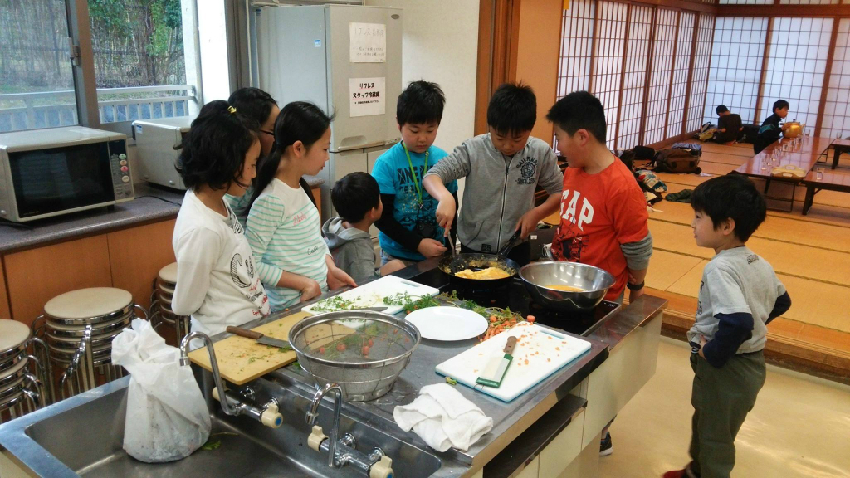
593 281
361 376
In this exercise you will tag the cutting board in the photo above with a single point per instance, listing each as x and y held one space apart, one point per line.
539 353
241 360
372 294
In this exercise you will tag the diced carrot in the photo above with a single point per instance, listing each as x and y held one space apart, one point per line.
493 318
530 318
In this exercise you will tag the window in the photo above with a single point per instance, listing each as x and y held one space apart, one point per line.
608 64
36 78
659 85
836 114
634 76
679 85
699 78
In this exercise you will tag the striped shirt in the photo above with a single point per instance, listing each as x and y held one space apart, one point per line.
284 232
239 205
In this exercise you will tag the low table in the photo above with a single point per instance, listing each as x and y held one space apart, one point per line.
840 146
831 181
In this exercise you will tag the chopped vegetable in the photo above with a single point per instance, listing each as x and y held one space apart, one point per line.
451 381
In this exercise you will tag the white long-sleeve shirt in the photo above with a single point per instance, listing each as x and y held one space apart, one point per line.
217 283
284 233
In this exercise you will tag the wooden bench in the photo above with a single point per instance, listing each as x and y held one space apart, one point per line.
830 180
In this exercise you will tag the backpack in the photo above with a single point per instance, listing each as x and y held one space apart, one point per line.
678 160
748 133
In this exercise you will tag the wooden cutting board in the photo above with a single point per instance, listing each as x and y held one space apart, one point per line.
539 353
241 360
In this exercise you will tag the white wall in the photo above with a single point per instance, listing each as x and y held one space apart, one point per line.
212 36
441 45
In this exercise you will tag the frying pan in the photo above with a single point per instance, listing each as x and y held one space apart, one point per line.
477 261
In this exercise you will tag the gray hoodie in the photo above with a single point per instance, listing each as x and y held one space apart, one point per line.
499 189
351 249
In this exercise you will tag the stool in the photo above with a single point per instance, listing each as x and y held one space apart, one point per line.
21 388
163 294
79 327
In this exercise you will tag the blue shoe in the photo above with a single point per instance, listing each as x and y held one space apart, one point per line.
606 446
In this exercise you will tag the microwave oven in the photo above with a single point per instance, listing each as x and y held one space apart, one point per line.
159 142
50 172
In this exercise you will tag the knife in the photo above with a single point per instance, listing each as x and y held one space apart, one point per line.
260 338
498 367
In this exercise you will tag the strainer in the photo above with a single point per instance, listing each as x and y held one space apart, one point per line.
362 351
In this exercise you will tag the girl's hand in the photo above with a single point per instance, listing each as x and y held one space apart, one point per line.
431 248
310 290
337 278
702 343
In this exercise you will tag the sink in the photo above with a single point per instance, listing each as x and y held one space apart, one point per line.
87 439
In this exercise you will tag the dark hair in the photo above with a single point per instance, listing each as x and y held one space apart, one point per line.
298 121
214 149
421 102
354 195
732 196
579 110
779 104
253 103
512 109
721 109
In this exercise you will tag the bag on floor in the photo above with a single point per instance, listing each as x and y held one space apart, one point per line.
167 418
748 133
695 149
677 161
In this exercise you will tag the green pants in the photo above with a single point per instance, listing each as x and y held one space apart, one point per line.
721 398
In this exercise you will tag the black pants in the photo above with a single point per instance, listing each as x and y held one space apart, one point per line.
521 253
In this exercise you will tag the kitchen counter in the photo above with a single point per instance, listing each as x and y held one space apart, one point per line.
150 205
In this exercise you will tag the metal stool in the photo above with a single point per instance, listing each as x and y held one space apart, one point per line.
163 294
79 327
21 373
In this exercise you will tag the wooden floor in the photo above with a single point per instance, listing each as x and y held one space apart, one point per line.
811 255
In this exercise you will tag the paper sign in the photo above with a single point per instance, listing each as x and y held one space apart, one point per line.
367 42
366 96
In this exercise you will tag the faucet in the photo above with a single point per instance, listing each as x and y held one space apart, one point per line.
341 451
269 415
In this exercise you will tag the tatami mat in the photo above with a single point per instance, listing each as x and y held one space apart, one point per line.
667 267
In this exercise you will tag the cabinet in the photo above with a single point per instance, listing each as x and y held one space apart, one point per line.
35 276
5 313
137 254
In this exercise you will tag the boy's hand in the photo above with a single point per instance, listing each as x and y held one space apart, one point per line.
337 278
431 248
527 223
310 290
392 266
702 343
634 294
446 210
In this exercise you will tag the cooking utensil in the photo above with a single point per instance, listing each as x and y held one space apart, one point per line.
447 323
593 282
506 249
260 338
362 351
498 366
476 261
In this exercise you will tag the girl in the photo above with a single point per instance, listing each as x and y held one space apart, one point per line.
216 280
283 225
259 106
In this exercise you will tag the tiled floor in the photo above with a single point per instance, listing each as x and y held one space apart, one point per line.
800 426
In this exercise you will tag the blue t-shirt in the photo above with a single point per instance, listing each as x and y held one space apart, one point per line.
392 172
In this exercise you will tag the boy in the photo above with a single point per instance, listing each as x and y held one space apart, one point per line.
408 230
603 212
728 125
357 199
738 296
770 129
502 169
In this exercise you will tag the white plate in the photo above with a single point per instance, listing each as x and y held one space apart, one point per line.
448 323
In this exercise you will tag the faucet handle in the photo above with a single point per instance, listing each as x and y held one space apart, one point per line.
317 436
382 469
271 415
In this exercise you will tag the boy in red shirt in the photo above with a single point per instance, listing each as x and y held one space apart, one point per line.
603 211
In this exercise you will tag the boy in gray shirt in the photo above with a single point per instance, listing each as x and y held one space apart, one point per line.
356 197
502 169
739 295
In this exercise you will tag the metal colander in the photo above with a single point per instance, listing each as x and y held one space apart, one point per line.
362 351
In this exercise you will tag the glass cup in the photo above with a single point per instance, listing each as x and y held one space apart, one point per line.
819 174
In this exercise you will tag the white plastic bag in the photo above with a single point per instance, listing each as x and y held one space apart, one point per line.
167 418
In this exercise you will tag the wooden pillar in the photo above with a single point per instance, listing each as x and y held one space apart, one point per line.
826 76
765 59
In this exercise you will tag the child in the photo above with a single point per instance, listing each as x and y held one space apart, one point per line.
216 280
770 129
502 169
728 125
738 296
357 199
283 225
603 211
408 228
259 106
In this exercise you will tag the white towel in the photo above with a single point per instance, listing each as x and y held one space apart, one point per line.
442 417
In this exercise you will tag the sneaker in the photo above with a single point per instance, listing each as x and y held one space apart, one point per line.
686 473
606 446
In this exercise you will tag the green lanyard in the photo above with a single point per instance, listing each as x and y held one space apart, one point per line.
413 172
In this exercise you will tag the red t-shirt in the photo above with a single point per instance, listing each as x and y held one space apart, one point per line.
598 213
